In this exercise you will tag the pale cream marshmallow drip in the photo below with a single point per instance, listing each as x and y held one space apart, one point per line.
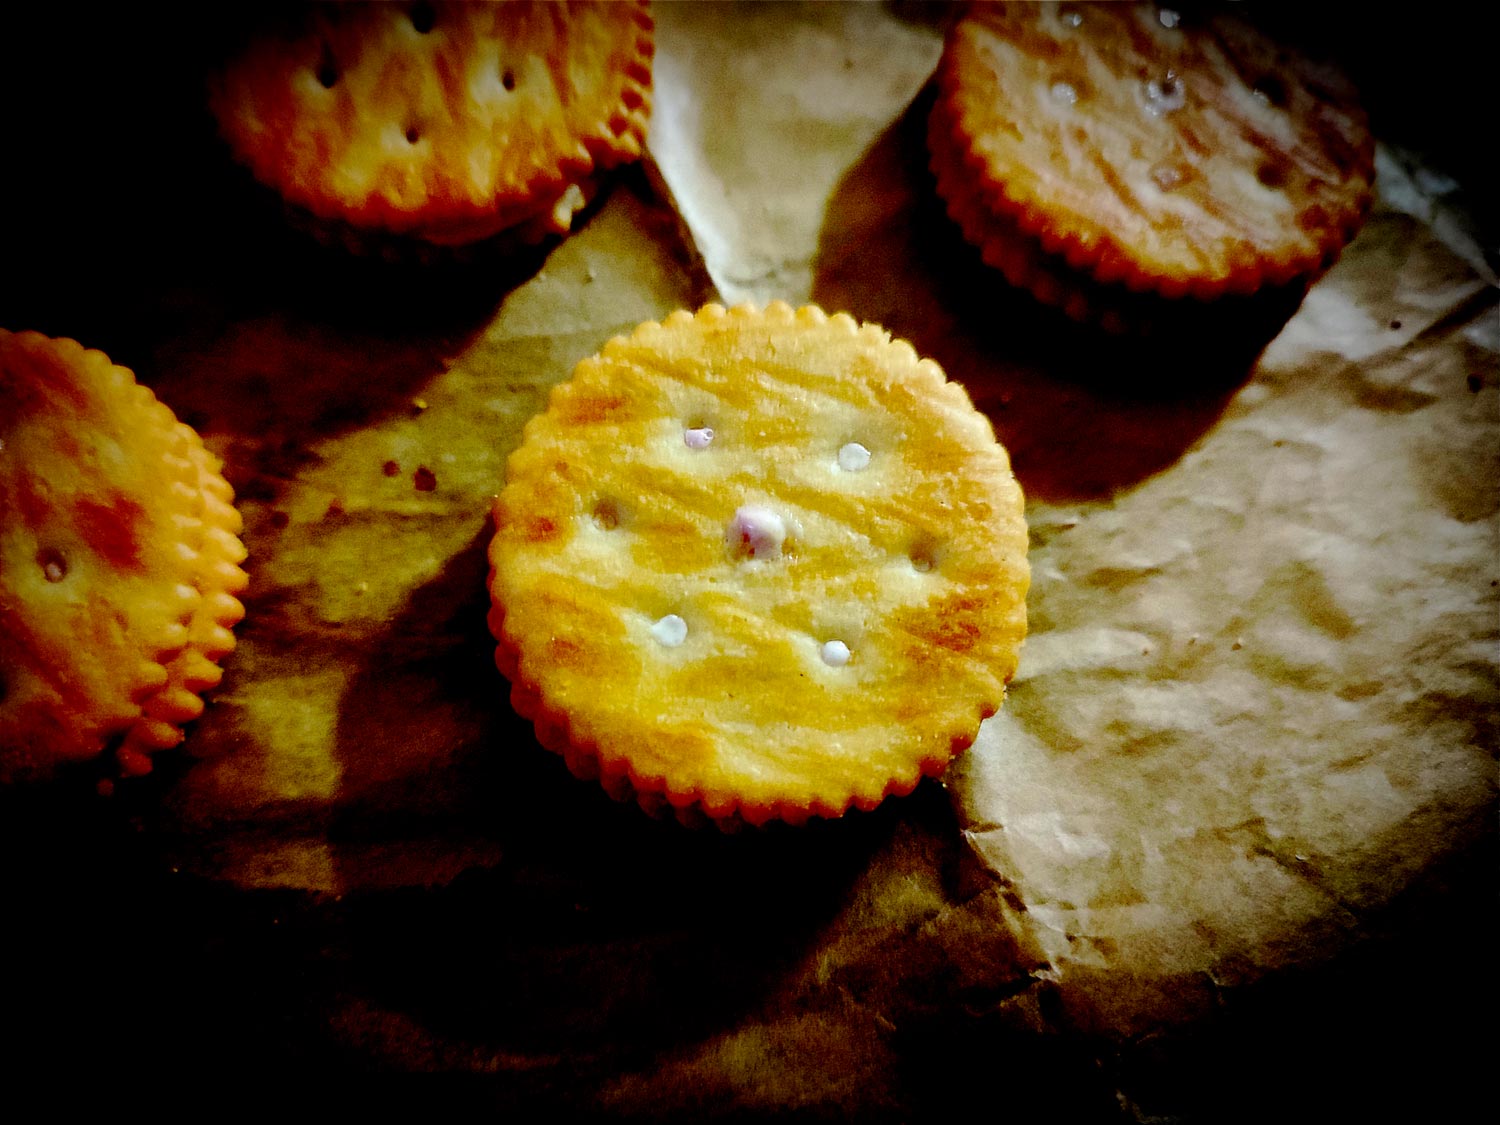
1063 93
835 654
670 631
755 533
854 457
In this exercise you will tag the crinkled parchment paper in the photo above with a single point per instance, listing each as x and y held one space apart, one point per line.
1260 692
1256 711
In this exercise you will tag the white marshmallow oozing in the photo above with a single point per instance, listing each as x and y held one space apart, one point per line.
670 631
835 654
755 533
853 457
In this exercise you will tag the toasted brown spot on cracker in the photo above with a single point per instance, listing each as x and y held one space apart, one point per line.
111 527
607 515
1273 173
540 529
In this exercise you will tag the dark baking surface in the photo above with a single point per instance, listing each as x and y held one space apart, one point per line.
560 974
603 943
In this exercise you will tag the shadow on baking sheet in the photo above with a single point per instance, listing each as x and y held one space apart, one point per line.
570 924
1084 414
467 904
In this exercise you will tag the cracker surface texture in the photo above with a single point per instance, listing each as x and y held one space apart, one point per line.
444 122
759 565
1138 147
119 561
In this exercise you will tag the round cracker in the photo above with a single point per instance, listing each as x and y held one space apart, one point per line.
106 534
1137 147
445 122
665 602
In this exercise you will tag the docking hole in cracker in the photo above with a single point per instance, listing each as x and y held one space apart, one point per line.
119 562
400 126
789 623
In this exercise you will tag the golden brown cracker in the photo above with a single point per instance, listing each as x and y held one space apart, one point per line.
1137 147
759 565
443 122
218 578
111 554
